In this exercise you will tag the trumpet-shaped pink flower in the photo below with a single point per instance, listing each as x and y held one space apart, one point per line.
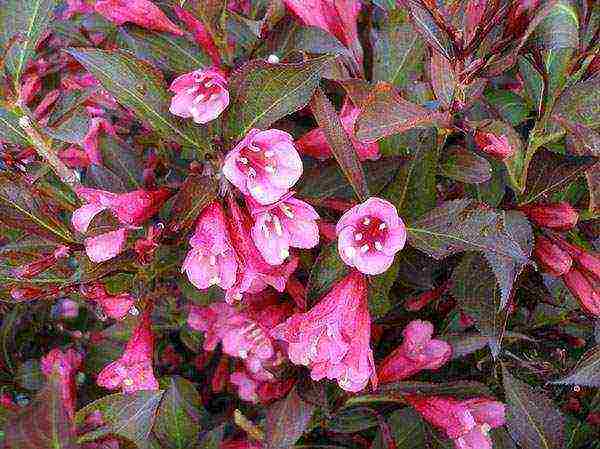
333 337
66 365
141 12
114 306
212 259
369 235
254 273
496 146
289 222
133 370
338 17
201 94
264 165
314 143
417 352
466 422
105 246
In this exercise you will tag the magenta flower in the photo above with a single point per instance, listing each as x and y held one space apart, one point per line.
289 222
212 259
201 94
264 165
133 370
369 235
417 352
65 364
256 390
332 338
254 273
496 146
314 143
141 12
114 306
466 422
105 246
201 34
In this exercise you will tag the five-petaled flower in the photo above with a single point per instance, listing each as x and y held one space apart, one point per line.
369 235
264 165
201 94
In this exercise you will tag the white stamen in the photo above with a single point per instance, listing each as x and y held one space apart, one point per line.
358 236
485 428
266 231
366 221
286 210
378 246
269 169
285 253
269 154
273 59
382 226
243 353
243 160
277 226
134 311
214 281
191 90
350 251
128 382
364 248
238 296
212 260
199 98
251 173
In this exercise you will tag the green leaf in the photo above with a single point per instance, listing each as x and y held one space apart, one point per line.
463 165
178 422
559 29
44 424
23 24
262 93
379 291
532 420
10 130
287 419
509 105
398 50
351 420
123 161
386 113
130 416
340 143
586 372
138 85
443 79
580 103
327 270
408 430
428 28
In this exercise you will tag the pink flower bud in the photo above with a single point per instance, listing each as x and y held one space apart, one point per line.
585 290
496 146
585 260
202 95
557 216
65 364
114 306
369 236
551 258
264 165
201 34
417 352
141 12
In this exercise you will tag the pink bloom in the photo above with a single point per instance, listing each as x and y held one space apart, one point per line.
585 288
77 7
105 246
254 273
91 141
133 371
141 12
557 216
332 338
496 146
551 257
369 235
114 306
265 165
314 143
289 222
66 309
202 95
256 390
338 17
417 352
466 422
65 364
212 259
201 34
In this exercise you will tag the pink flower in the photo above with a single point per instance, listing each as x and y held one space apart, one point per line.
314 142
202 95
557 216
496 146
254 273
369 235
466 422
417 352
551 257
212 259
264 165
141 12
332 338
114 306
289 222
77 7
91 141
585 288
65 364
256 390
105 246
133 371
338 17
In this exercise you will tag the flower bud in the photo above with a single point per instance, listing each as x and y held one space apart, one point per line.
551 258
557 216
585 260
584 290
496 146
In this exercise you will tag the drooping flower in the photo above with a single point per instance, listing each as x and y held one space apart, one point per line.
201 94
114 306
133 370
141 12
557 216
333 338
585 289
583 259
338 17
212 259
369 235
105 246
314 143
496 146
466 422
551 258
264 165
254 273
284 224
417 352
65 364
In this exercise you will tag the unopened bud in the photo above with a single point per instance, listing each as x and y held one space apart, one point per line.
551 258
582 288
557 216
496 146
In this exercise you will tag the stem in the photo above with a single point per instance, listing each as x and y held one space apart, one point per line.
248 426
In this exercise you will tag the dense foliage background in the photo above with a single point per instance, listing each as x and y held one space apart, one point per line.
478 120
